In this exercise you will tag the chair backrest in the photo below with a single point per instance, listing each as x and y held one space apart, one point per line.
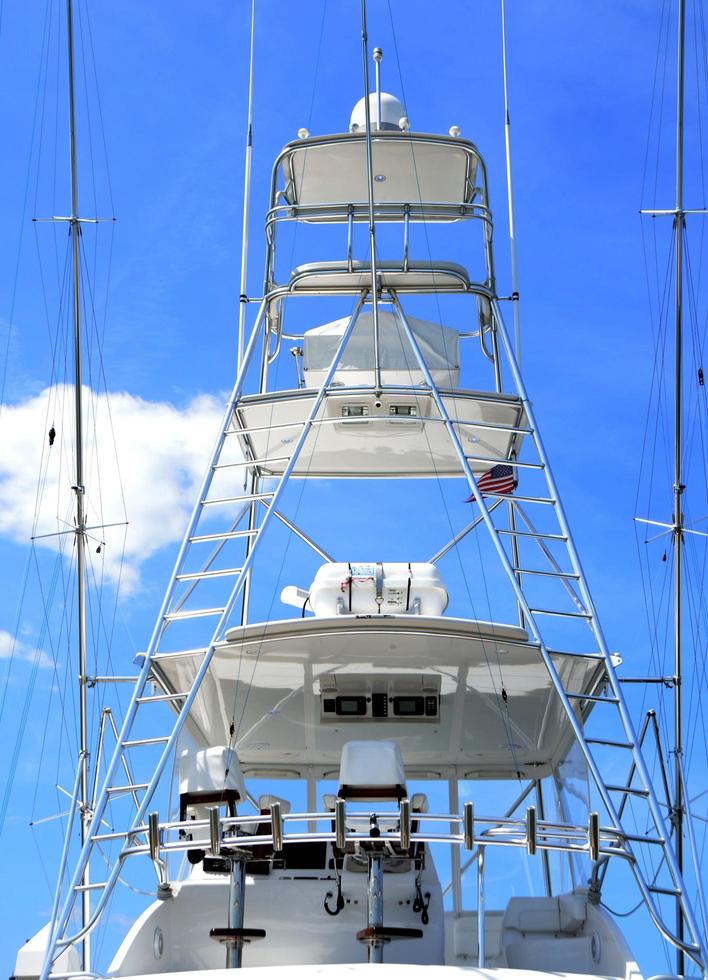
372 771
210 776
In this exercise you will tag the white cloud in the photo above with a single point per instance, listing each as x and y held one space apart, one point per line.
144 462
12 646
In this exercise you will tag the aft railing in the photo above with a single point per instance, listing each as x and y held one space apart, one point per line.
233 839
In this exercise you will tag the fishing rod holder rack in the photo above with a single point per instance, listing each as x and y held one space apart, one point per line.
391 832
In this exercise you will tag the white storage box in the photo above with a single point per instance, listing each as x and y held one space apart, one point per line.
378 587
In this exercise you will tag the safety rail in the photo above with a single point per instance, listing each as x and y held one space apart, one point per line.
505 832
395 211
227 835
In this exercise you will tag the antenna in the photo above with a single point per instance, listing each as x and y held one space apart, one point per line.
678 488
78 488
378 58
243 297
510 196
370 187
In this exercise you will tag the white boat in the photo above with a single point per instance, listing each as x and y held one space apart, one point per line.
398 716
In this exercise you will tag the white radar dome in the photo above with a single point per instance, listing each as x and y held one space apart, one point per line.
393 114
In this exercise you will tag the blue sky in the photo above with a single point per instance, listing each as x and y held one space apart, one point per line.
172 81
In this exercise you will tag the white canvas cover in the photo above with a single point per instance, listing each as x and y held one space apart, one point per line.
439 346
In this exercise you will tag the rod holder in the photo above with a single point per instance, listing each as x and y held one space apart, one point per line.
468 825
531 830
276 826
214 830
405 821
340 827
594 836
154 836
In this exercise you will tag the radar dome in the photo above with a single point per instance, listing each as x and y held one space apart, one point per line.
393 114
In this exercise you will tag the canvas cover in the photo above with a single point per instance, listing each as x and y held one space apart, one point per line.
439 346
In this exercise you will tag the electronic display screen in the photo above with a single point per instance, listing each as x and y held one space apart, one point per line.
351 706
408 706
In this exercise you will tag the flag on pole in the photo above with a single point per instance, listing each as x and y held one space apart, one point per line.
499 480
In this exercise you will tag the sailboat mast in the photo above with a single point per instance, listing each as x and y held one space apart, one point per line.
78 488
678 487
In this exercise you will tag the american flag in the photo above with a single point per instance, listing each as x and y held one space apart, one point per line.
500 479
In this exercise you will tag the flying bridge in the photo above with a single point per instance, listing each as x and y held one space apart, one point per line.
300 689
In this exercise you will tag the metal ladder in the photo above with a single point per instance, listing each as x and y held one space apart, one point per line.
251 508
572 586
182 605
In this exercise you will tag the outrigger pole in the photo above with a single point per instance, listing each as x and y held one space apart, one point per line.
678 488
79 488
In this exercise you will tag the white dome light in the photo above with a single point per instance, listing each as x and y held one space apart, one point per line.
392 110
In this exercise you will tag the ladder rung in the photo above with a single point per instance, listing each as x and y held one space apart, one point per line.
505 462
663 891
176 654
251 462
131 788
150 698
591 697
532 534
262 428
158 740
641 839
192 614
524 500
495 426
244 498
557 612
222 536
113 835
93 887
628 790
608 742
212 573
549 574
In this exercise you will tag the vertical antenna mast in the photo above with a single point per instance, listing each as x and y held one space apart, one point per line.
510 196
678 487
78 488
243 298
370 185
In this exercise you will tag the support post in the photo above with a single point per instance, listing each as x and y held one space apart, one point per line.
236 898
79 491
678 488
480 907
374 905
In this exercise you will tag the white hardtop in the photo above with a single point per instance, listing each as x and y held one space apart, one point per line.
294 667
